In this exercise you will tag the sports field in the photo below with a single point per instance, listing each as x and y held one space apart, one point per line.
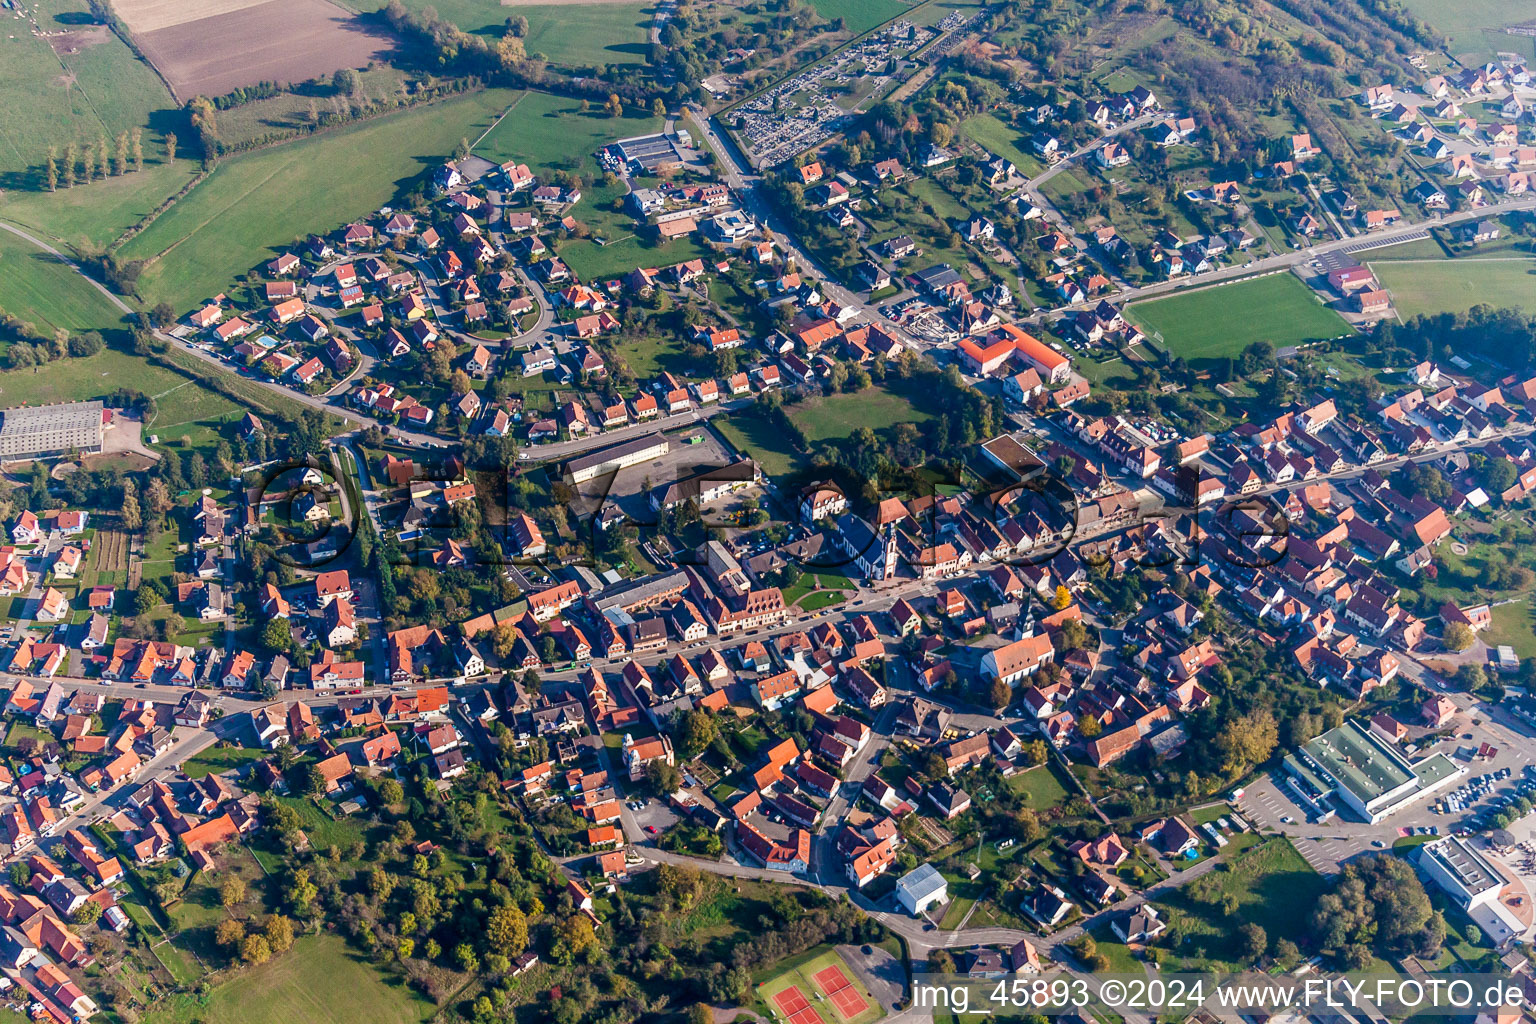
255 204
820 990
1225 319
74 86
1455 286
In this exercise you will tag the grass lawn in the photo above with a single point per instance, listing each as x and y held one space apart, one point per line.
1476 27
585 35
550 132
832 417
1199 324
36 286
592 262
1116 952
303 984
256 204
53 98
800 971
859 15
750 434
1455 286
1001 140
1273 886
321 829
1040 786
1513 625
216 760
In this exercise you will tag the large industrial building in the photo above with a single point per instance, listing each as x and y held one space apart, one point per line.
44 430
1355 770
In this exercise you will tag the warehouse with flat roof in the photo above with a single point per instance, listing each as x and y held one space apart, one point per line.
39 431
1353 767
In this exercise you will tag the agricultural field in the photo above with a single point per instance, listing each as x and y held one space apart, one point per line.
211 47
1476 27
301 985
255 204
1455 286
1198 325
78 83
37 286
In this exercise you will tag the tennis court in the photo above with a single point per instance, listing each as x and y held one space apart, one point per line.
796 1008
840 990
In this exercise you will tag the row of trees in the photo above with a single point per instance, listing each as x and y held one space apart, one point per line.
82 163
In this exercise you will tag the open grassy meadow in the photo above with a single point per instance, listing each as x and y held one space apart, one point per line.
549 131
860 15
255 204
1476 27
1225 319
834 417
1455 286
1273 886
1513 625
96 214
305 984
1001 140
585 35
37 286
74 86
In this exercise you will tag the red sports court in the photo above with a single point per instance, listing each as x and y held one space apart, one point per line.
796 1008
840 990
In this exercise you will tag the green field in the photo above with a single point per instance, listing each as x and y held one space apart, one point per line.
255 204
217 760
37 286
75 380
1201 324
56 96
550 132
1476 27
1455 286
753 435
833 417
1041 786
1001 140
1273 886
318 981
96 214
1512 625
860 15
584 35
